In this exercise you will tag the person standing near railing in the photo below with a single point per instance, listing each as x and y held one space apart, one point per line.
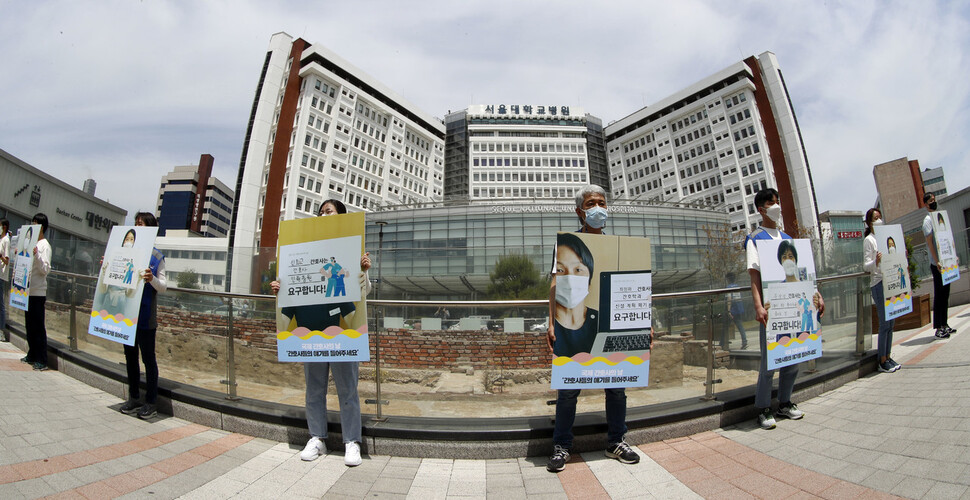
345 374
872 262
4 286
591 210
941 292
155 282
34 318
735 311
766 202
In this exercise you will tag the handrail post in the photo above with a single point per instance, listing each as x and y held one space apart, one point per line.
73 323
861 316
709 382
230 357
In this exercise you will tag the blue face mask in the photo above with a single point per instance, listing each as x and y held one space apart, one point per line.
596 217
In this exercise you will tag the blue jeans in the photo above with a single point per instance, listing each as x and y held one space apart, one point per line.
885 341
345 378
725 327
566 415
786 378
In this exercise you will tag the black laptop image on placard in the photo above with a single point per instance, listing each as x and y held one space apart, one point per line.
614 336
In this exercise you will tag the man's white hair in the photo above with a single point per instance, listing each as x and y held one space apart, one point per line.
583 192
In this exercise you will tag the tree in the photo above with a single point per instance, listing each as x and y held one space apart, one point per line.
723 253
188 279
266 277
515 277
914 279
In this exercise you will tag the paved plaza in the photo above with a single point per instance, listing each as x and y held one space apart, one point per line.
904 434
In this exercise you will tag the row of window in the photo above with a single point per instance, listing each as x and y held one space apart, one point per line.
370 130
529 147
749 150
734 100
642 141
645 155
529 162
372 114
692 136
531 192
696 151
688 120
698 168
194 254
740 116
529 177
324 88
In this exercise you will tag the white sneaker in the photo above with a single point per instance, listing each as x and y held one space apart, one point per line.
314 448
352 454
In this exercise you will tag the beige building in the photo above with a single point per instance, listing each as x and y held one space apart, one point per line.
900 187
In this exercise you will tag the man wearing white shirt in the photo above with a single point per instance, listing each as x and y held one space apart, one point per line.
34 320
941 292
766 201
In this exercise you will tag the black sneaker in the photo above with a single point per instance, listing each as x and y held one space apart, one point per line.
557 462
130 406
886 367
896 366
25 360
40 367
147 411
623 453
948 329
941 333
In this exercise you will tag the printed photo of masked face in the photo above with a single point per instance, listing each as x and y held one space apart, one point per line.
788 258
575 323
129 239
572 278
890 245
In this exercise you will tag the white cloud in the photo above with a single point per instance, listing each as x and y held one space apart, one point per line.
123 90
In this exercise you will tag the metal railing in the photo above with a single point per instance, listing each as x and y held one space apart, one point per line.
686 321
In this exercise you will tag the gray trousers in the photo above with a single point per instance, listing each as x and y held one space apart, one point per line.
345 378
786 378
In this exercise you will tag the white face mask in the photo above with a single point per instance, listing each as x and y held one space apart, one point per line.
596 217
571 289
790 267
128 244
774 212
877 222
892 249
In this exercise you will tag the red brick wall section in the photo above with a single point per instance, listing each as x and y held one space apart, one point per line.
400 348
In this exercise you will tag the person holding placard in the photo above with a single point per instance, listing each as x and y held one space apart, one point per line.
941 292
155 283
34 320
572 328
766 202
4 261
872 260
345 373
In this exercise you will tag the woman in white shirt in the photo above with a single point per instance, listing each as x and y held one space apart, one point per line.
872 258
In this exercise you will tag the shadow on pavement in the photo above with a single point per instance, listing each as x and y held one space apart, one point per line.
919 341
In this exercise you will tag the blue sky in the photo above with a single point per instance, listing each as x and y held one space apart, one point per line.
122 91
